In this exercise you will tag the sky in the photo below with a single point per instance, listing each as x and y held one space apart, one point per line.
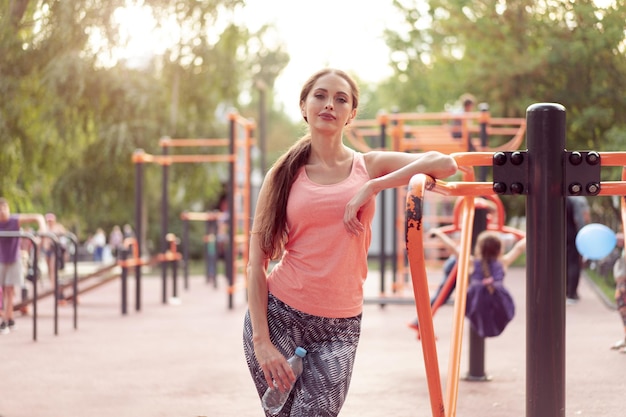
345 34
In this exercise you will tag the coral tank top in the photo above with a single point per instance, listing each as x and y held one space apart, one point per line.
323 267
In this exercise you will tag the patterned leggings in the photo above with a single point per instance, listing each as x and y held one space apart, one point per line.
331 348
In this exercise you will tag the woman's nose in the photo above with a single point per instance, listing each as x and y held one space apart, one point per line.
329 105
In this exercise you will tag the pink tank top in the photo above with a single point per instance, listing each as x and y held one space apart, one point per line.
324 267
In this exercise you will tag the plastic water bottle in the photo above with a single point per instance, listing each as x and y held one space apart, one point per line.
274 399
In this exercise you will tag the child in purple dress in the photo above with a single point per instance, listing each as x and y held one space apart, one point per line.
490 306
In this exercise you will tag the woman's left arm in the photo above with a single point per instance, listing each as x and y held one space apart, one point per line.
394 169
389 169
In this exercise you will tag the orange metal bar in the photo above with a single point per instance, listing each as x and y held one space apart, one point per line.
613 159
612 188
200 216
415 253
167 142
176 159
454 364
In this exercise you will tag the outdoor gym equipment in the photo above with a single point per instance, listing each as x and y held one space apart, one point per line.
418 132
238 159
545 174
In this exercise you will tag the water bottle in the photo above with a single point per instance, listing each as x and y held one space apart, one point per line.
274 399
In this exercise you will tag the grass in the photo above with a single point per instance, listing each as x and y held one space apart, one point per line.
606 284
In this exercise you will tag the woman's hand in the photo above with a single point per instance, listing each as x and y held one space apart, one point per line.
275 366
351 216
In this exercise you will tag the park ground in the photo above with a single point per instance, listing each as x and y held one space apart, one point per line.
185 359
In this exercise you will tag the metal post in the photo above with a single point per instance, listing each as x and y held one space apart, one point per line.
382 255
55 276
230 251
186 253
484 137
138 224
72 238
174 263
164 214
211 255
123 255
545 272
35 283
476 342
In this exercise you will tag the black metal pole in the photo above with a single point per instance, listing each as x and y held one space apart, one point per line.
545 272
186 253
230 251
72 237
262 126
138 223
164 214
123 255
174 278
211 252
476 342
484 137
36 274
55 276
382 255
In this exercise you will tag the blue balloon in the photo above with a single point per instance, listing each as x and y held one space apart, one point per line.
595 241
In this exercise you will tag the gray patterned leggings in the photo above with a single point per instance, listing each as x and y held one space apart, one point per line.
331 348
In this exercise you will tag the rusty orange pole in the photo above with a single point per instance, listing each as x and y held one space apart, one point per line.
415 252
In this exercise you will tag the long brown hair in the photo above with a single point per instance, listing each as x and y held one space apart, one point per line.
271 222
488 249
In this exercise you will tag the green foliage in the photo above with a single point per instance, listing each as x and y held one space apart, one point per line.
513 54
69 131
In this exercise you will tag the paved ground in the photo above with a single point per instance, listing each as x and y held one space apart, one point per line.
186 360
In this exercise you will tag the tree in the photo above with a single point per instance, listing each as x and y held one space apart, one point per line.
513 54
72 123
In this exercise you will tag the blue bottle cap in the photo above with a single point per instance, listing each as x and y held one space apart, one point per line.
300 351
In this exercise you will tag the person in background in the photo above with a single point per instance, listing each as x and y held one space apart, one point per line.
619 274
468 102
116 240
11 274
314 215
99 240
577 215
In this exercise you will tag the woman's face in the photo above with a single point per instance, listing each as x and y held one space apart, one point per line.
328 105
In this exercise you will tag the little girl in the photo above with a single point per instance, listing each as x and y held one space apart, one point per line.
490 306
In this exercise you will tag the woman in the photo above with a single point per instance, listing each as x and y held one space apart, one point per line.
314 212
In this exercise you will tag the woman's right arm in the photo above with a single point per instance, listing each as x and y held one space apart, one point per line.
272 362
